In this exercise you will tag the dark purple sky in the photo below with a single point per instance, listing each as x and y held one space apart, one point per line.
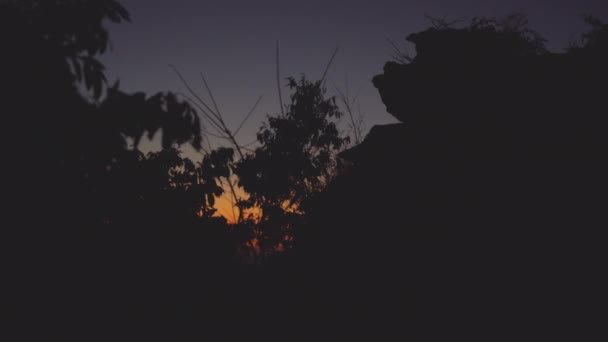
233 43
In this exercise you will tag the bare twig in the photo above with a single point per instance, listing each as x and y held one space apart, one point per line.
233 198
217 110
191 91
236 199
400 56
329 65
442 23
348 103
223 125
248 114
279 81
250 143
248 149
213 122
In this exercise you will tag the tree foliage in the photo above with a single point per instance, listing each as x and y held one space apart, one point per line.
86 174
296 159
69 34
297 156
136 116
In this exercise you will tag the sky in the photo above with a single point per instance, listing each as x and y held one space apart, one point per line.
232 42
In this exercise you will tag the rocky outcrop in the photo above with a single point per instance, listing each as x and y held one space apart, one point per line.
496 95
451 217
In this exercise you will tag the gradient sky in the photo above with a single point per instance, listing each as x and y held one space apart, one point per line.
233 43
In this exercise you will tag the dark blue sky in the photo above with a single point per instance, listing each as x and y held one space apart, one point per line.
233 43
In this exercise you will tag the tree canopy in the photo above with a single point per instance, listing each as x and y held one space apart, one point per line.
297 156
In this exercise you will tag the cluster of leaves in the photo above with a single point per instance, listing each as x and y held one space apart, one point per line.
175 181
506 37
104 181
513 33
134 115
70 31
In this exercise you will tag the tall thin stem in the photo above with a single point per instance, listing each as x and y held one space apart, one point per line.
279 82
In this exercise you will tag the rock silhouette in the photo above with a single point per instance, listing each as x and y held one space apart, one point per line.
471 216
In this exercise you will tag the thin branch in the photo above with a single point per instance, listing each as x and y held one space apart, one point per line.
250 143
279 81
232 198
215 124
232 205
347 103
209 144
248 114
357 95
227 131
236 199
329 65
191 90
442 23
402 57
248 149
217 110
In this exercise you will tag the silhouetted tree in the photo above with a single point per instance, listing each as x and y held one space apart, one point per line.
103 227
51 57
296 159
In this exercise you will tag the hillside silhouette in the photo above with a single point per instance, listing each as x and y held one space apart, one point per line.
477 216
